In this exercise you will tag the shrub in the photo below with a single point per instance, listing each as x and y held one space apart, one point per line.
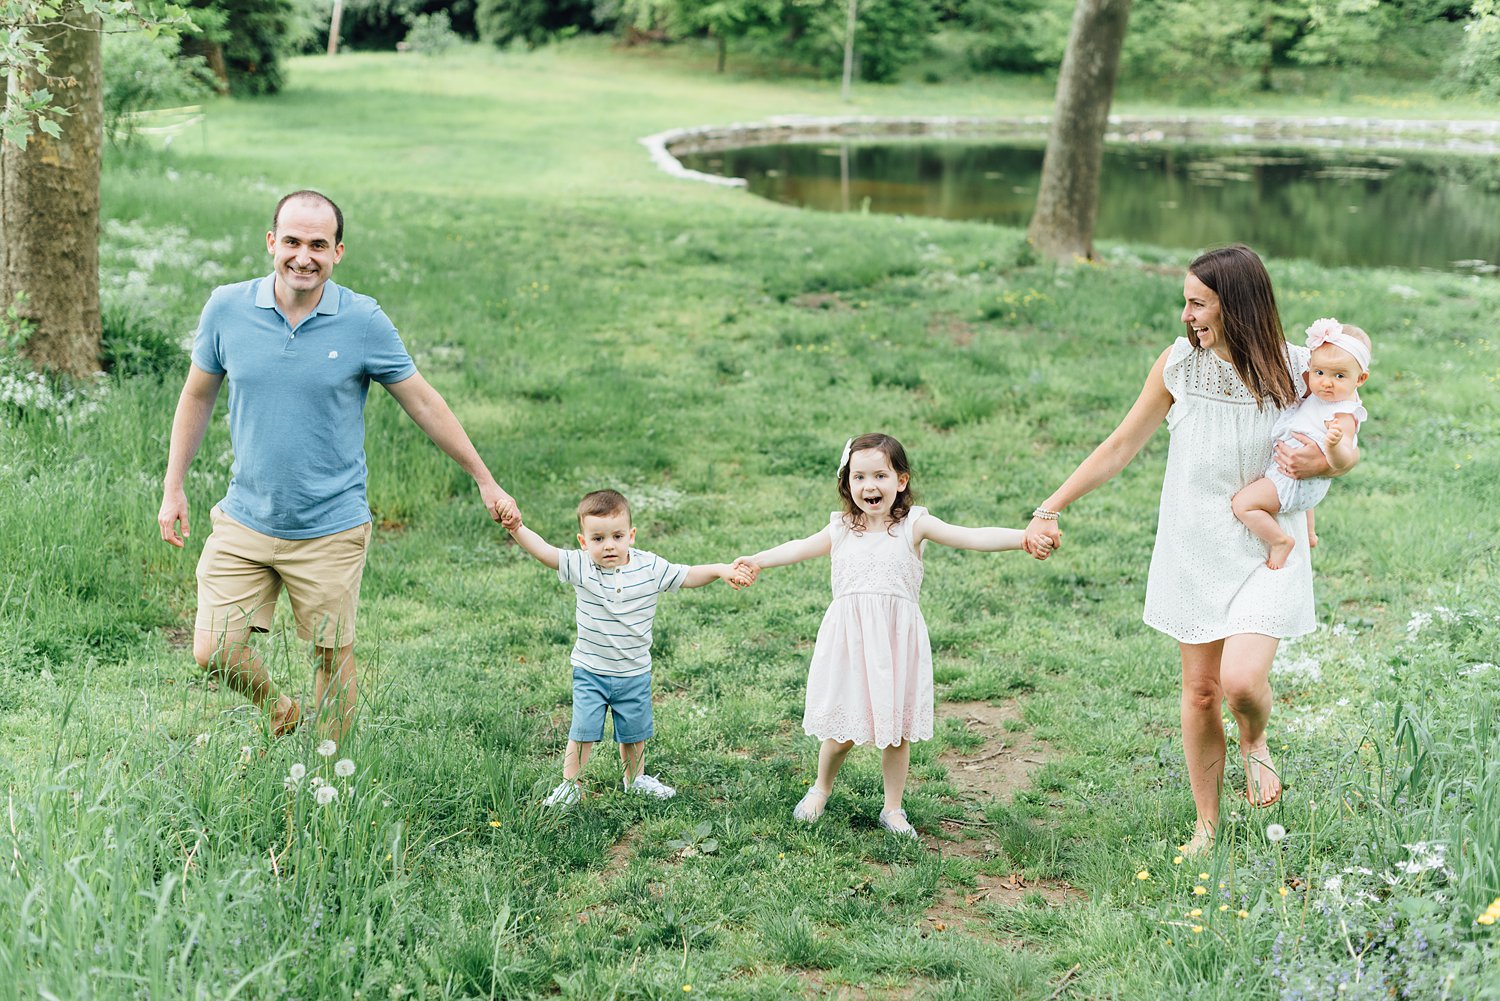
142 73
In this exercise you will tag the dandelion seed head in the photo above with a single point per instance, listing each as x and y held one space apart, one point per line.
327 748
297 771
343 768
326 794
1275 832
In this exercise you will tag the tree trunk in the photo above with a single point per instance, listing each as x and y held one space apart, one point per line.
213 56
1068 199
723 47
49 205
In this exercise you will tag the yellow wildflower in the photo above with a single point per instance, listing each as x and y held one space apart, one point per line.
1203 875
1143 874
1199 891
1242 913
1195 913
1197 929
1223 907
1177 860
1283 891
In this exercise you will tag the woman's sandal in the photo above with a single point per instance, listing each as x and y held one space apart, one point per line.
810 807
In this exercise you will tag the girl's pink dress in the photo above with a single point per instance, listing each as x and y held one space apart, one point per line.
871 674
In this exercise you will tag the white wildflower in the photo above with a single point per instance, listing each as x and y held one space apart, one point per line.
327 748
1418 622
343 768
326 795
297 771
201 740
1275 832
1333 884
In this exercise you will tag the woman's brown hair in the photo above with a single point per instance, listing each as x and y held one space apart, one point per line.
1252 325
896 456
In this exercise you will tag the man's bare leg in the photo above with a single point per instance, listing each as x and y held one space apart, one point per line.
335 691
229 657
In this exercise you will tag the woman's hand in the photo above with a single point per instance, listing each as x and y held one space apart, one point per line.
1043 538
1300 463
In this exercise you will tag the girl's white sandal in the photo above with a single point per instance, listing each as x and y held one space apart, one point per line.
810 807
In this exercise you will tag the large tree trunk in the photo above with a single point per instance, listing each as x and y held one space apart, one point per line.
49 205
1068 199
213 55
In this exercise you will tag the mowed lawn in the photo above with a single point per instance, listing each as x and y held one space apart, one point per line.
597 323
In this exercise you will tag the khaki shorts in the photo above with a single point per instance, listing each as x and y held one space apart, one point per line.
241 574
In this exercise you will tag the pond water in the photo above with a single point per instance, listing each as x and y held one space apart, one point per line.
1341 207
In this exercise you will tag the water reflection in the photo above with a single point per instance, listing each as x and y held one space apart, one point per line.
1337 207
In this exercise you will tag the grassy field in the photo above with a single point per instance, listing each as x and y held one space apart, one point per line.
596 323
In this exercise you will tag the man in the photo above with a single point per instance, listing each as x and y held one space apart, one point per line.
300 352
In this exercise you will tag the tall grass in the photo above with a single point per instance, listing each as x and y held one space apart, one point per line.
595 323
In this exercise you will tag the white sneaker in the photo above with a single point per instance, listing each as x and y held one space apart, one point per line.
566 794
650 785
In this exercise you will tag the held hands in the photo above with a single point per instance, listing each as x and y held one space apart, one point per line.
742 573
1043 538
500 505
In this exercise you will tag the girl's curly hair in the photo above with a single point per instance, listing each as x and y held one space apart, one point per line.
896 456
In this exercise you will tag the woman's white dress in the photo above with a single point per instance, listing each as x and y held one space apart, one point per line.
1208 577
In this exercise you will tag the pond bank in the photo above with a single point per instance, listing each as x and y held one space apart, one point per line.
1328 132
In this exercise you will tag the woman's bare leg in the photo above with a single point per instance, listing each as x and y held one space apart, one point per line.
1245 675
1203 743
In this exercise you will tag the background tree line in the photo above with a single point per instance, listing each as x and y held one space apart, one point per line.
1229 45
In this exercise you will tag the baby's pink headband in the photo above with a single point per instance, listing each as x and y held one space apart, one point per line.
1331 331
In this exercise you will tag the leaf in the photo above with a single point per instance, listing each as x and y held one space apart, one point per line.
50 127
702 829
709 847
677 844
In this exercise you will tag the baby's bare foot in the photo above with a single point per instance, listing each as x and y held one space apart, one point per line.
1279 551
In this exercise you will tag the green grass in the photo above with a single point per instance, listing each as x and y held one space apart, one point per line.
594 323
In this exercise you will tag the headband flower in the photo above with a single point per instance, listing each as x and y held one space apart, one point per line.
1331 331
1319 333
843 460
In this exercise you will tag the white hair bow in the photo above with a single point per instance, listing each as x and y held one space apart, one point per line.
843 460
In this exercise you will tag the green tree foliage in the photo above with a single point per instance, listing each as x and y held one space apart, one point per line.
380 24
250 36
1478 63
146 72
533 22
1021 36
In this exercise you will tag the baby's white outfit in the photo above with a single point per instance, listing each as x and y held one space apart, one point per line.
870 680
1309 418
1208 577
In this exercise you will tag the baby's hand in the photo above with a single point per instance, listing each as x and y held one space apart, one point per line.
1335 433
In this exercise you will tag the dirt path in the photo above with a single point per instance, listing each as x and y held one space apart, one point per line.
994 771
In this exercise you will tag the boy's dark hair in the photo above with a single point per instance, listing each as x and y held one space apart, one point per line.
602 504
896 456
312 196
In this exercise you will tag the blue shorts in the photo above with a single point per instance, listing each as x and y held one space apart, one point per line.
628 698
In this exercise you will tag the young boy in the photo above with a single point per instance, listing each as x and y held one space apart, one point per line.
617 587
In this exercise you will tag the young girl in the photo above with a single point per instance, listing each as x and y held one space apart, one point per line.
1330 416
871 674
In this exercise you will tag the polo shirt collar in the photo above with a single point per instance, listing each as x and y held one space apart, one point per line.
265 296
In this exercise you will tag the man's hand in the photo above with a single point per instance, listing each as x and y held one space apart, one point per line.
499 504
174 510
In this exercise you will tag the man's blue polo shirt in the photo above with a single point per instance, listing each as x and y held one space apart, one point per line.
297 403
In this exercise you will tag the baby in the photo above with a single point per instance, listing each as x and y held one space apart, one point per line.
1330 415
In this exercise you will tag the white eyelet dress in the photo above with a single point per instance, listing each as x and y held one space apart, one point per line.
870 680
1208 576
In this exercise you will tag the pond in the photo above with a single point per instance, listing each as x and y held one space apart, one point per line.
1340 207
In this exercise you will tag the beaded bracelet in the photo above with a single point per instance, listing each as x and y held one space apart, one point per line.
1044 514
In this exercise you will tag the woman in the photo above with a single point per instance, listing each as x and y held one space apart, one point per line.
1219 389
